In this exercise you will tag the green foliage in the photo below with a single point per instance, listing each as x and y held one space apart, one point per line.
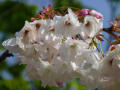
16 70
13 15
15 84
3 65
67 3
116 1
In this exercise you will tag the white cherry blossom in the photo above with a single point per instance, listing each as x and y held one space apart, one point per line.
52 56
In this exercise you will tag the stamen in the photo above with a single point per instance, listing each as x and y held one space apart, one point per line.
67 23
26 32
38 25
52 30
87 24
73 46
111 61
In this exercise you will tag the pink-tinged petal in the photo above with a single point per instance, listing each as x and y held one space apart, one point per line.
39 16
60 84
84 12
96 14
49 7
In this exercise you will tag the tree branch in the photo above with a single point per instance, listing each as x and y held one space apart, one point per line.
5 55
111 32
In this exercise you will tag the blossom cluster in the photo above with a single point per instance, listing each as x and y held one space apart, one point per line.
59 49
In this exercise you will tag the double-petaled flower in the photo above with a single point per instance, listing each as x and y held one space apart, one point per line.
57 50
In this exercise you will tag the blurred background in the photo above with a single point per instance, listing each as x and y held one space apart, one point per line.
13 14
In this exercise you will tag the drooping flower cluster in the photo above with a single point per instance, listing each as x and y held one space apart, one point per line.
57 49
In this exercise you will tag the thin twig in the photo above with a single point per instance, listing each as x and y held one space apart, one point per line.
111 32
5 55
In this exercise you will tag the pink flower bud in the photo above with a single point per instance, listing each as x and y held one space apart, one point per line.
96 14
84 12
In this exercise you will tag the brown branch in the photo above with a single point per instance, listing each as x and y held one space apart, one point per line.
107 29
111 32
4 55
